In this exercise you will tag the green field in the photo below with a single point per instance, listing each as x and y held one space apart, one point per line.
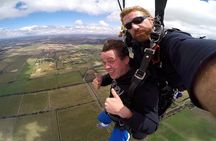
57 105
44 83
37 127
190 125
79 124
9 105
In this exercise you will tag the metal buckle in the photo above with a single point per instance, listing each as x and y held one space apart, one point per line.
139 74
149 51
121 123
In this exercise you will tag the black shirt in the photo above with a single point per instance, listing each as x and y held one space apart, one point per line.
181 56
144 104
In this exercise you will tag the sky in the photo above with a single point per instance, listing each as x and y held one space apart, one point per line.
49 17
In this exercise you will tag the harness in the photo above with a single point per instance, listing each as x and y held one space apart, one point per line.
140 73
152 54
149 55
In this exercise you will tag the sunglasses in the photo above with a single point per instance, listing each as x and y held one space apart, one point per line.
136 20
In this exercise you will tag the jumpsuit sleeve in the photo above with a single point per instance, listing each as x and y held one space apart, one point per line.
187 55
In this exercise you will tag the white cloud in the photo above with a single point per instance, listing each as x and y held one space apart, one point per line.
103 23
94 7
194 16
78 22
113 16
28 28
55 30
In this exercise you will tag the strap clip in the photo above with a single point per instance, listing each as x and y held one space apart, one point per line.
139 74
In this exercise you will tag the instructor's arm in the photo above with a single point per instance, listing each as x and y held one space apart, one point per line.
205 86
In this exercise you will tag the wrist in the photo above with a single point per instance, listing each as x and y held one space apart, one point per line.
125 113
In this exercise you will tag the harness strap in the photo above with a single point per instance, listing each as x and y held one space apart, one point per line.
150 54
140 73
156 58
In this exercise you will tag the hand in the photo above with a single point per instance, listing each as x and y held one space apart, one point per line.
114 105
97 81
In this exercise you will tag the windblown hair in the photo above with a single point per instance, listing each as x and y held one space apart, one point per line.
128 10
118 46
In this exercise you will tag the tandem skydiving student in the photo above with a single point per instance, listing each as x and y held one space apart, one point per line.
137 117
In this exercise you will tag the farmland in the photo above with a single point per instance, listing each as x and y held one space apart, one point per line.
46 95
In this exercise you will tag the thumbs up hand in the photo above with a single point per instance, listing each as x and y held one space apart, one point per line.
114 105
97 81
115 95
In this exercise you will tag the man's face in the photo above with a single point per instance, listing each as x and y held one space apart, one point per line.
140 32
113 64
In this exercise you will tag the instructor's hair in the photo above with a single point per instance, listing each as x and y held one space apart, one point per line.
128 10
118 46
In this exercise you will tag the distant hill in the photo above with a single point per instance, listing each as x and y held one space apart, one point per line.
59 39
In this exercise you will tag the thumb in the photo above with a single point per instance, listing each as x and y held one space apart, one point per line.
115 95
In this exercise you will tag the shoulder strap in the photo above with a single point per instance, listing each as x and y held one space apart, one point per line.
140 73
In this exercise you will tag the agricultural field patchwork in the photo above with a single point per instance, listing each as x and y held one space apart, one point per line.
46 95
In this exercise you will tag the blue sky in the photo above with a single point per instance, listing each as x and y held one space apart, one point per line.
59 18
43 17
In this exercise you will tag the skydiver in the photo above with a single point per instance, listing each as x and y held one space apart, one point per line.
186 62
137 116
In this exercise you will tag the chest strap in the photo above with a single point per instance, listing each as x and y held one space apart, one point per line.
140 73
150 54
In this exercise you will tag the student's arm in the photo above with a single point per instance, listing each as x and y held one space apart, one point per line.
205 86
141 123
